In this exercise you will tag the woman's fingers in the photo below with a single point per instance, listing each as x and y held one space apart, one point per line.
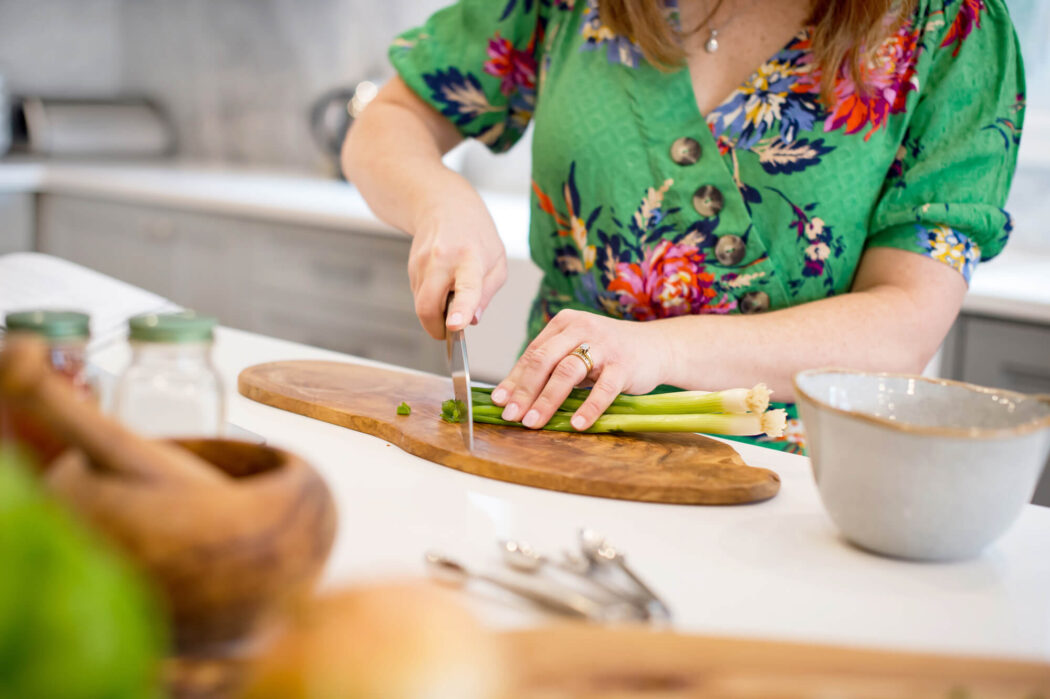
467 297
567 373
531 358
430 303
432 296
609 385
537 366
547 372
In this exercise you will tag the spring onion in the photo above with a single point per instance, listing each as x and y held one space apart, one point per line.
734 412
453 411
404 409
771 422
733 400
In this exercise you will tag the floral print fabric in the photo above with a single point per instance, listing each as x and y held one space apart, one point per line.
643 208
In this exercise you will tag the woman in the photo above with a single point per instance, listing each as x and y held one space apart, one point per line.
772 184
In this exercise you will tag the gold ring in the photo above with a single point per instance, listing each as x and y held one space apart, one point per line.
584 353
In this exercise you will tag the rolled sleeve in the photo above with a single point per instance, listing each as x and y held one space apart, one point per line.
944 195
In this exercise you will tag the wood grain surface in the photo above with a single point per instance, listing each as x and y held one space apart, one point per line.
582 662
668 468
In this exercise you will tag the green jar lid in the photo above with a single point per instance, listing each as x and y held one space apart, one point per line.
172 327
52 325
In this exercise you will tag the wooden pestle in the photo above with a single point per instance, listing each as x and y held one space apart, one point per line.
27 379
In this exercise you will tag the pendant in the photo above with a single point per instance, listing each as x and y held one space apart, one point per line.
712 42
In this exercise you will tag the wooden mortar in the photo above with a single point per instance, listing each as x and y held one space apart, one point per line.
230 532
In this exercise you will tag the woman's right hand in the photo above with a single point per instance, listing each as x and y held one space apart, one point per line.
455 247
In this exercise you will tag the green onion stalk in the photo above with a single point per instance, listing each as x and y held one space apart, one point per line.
733 412
771 422
733 400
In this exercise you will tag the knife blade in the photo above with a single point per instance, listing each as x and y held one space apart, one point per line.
459 369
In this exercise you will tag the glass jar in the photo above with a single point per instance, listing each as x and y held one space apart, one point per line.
171 387
66 334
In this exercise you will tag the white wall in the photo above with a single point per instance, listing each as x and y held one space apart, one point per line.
60 46
239 76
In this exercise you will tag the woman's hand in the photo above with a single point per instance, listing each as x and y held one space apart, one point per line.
628 358
455 247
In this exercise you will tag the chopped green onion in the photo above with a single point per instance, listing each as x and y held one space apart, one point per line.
453 410
404 409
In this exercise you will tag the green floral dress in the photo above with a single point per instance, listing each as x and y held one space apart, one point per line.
644 208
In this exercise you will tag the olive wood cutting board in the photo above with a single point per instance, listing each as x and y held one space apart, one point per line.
684 469
585 662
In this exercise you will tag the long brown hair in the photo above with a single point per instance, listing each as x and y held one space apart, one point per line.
846 33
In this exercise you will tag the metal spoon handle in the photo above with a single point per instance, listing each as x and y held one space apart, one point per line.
616 592
565 602
654 600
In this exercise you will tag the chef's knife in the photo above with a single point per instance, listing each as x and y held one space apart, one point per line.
460 371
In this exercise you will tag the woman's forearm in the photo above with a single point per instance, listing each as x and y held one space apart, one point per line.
858 330
393 156
879 326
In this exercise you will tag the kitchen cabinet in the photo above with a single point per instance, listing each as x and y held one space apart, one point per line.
338 289
130 243
1001 353
16 222
1004 354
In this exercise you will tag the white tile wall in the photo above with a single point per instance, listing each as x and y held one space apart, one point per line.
239 76
60 46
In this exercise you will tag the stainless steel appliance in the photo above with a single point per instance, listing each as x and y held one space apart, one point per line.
65 127
334 112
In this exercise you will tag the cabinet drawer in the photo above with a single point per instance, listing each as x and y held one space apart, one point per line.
366 269
1006 354
131 243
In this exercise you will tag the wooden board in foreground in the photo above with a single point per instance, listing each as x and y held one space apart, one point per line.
584 662
669 468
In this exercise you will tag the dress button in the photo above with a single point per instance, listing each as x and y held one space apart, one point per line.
708 201
754 302
730 250
685 151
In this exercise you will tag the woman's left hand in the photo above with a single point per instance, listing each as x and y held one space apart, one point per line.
628 358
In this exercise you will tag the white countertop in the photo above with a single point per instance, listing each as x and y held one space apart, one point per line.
1016 285
771 570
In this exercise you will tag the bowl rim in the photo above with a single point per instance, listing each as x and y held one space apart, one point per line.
928 430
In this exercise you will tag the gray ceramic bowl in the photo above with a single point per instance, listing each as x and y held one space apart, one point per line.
921 468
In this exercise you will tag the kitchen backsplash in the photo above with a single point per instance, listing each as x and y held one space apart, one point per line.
238 76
